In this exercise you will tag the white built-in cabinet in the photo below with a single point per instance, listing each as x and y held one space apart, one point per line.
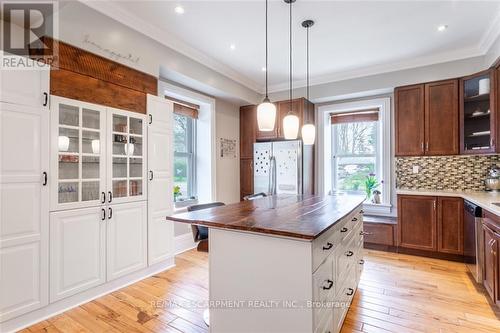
99 192
24 206
160 202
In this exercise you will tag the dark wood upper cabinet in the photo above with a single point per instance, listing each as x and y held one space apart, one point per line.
409 120
441 118
248 123
478 114
417 222
450 222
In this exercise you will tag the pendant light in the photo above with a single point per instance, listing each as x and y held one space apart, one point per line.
290 121
308 130
266 111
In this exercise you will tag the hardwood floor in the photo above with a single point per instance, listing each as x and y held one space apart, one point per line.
397 293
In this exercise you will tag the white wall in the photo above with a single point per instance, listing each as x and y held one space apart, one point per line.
228 169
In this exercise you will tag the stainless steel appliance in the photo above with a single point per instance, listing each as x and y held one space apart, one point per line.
283 167
492 182
473 240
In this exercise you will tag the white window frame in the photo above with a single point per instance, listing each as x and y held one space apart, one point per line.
191 156
324 183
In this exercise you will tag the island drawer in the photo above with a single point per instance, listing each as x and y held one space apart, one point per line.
323 246
323 288
344 297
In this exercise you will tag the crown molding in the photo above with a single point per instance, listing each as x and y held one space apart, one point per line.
490 36
130 20
383 68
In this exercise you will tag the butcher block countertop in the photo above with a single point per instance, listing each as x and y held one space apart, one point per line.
302 217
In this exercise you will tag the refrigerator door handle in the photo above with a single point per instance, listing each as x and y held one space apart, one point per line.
272 175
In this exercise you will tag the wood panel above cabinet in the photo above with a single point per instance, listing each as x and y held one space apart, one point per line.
426 117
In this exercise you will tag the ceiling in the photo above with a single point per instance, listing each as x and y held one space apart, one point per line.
350 38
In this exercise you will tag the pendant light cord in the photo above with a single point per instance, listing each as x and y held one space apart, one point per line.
291 56
266 54
307 59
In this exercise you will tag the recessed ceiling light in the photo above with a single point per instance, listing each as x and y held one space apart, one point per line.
232 47
442 27
264 69
179 9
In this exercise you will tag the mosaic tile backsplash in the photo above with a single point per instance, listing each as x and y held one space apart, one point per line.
444 172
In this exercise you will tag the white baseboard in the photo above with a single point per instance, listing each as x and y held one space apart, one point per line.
30 318
184 243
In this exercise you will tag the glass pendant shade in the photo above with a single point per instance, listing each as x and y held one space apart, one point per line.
290 126
308 134
266 115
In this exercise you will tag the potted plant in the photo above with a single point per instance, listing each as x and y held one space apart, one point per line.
177 192
371 183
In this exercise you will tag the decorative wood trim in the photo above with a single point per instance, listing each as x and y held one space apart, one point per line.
358 117
81 75
185 111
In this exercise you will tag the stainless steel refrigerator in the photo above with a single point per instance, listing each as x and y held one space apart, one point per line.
283 167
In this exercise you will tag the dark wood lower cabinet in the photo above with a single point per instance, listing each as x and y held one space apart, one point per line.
417 222
450 225
491 260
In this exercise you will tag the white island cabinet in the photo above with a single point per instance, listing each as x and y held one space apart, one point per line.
283 263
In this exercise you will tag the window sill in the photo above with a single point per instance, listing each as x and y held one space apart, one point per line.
377 209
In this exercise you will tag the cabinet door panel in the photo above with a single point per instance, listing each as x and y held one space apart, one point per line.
409 120
450 225
20 280
246 177
25 87
490 261
248 124
441 118
160 187
126 239
417 222
77 251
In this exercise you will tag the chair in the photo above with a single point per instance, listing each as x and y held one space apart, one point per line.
200 233
254 196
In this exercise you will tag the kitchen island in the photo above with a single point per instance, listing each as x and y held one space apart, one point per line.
282 263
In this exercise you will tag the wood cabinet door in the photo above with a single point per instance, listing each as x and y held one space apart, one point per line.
297 108
450 225
246 177
417 222
441 118
248 123
490 261
409 120
126 238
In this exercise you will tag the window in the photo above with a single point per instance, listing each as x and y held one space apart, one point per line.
184 158
355 149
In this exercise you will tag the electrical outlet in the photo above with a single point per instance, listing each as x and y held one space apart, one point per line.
416 169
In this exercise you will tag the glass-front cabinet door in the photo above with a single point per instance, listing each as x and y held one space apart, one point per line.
127 159
78 136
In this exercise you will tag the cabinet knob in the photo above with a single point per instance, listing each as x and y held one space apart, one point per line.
329 285
328 246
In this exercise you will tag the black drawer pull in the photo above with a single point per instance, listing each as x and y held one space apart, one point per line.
361 262
330 285
328 246
349 253
344 229
350 292
110 196
103 214
354 219
103 197
110 213
44 179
